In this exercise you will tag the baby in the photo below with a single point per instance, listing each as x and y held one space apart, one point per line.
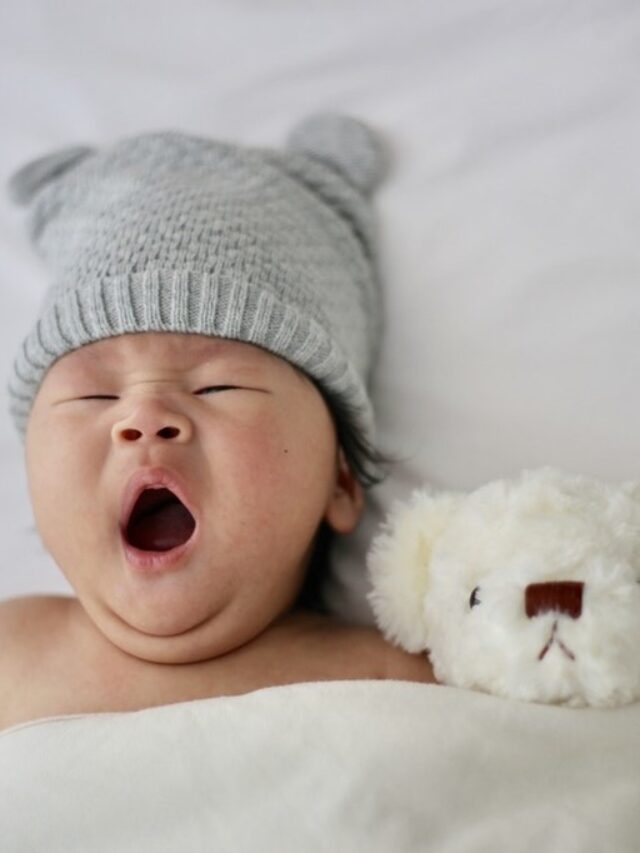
193 403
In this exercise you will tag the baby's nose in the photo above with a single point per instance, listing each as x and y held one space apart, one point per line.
152 423
560 596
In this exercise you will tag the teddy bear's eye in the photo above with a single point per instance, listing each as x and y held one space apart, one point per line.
473 598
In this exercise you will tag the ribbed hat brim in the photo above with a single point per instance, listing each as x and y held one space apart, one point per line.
191 303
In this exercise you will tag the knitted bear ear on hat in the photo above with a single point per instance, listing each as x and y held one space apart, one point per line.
30 178
344 143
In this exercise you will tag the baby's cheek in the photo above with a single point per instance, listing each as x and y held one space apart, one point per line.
276 480
271 449
63 473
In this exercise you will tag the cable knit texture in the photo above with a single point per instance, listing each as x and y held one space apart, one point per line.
169 232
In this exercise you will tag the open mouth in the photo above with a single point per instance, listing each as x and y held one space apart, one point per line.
159 521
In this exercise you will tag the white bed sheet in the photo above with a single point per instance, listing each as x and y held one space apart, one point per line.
359 767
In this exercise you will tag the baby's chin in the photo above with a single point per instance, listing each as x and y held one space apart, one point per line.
190 636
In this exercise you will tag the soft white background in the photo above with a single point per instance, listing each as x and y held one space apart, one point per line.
509 223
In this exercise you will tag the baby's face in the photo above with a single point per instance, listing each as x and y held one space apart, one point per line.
258 461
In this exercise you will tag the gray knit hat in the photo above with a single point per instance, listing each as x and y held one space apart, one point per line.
169 232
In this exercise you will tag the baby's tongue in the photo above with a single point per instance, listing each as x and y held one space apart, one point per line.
162 528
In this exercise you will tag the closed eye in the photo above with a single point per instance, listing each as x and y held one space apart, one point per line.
210 389
215 388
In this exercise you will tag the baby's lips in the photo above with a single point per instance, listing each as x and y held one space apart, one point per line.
157 477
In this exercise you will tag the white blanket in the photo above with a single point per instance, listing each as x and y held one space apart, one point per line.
340 766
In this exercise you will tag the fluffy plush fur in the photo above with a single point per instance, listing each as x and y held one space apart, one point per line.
450 574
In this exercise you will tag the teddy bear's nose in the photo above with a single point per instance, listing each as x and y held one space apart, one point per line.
561 596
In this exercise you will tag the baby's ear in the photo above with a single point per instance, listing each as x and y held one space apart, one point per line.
28 179
346 502
398 564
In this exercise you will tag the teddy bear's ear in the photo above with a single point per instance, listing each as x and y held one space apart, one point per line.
398 565
632 489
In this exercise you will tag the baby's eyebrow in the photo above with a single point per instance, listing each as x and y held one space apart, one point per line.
103 370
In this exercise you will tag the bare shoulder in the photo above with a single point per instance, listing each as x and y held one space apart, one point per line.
26 618
405 666
345 651
29 625
384 659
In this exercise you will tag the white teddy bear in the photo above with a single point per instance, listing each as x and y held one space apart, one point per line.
526 588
